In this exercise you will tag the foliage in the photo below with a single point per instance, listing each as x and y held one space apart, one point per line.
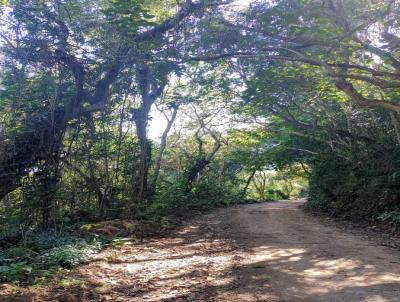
128 15
176 202
42 253
279 100
349 154
69 255
67 283
365 187
15 271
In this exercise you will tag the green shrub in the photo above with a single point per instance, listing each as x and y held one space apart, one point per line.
391 216
41 255
70 254
180 199
19 271
364 187
47 239
17 253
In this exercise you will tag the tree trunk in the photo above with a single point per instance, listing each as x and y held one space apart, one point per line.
145 157
150 90
395 123
248 183
163 144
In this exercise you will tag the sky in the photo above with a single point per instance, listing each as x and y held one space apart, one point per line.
157 124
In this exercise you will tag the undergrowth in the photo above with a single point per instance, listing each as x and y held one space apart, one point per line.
42 254
30 257
364 188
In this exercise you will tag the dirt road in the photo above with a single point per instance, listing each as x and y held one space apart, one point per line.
261 252
290 256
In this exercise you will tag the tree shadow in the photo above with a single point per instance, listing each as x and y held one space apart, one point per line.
232 262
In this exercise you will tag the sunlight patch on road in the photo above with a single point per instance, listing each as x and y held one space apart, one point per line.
330 273
264 253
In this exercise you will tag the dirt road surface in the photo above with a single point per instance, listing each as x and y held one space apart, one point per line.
299 259
260 252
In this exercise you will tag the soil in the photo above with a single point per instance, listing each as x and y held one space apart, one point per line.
258 252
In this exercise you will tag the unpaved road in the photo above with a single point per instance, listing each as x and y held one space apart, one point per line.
261 252
293 257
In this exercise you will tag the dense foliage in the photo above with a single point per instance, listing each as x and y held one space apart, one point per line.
334 107
266 101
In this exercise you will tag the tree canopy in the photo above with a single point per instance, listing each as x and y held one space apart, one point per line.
270 100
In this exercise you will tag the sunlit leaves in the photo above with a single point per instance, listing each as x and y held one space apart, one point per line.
128 15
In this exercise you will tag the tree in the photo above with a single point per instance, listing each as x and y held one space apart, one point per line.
56 40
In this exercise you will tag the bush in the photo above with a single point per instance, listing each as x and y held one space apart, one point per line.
16 253
180 199
15 271
47 239
70 254
44 252
364 187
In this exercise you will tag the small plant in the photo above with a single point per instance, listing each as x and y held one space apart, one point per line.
113 257
70 255
68 283
104 289
46 240
19 271
88 227
391 216
120 242
42 276
258 265
16 253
